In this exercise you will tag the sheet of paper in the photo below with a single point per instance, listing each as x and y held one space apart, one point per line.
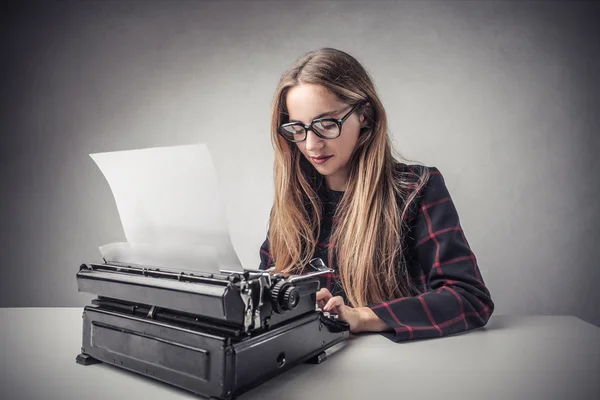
180 258
170 207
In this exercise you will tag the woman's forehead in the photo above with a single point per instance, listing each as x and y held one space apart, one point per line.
307 102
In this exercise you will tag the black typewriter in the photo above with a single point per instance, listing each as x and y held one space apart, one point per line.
214 334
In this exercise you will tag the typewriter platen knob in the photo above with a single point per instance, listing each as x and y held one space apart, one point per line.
285 296
291 297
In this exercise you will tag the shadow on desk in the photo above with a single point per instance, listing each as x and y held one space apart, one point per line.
497 324
148 382
301 372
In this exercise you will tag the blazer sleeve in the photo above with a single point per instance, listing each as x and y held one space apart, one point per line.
266 260
455 297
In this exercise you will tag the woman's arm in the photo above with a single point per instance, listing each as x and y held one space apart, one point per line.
456 299
266 261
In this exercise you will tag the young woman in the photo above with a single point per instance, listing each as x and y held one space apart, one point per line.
389 230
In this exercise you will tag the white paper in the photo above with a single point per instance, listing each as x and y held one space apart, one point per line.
169 202
179 258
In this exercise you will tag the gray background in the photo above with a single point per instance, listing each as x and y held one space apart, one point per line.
502 97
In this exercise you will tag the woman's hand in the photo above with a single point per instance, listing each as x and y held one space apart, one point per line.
335 305
323 297
360 319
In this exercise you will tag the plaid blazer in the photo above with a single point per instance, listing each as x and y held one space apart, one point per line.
451 295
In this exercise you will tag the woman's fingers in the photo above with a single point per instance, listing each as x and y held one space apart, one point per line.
333 303
350 315
323 295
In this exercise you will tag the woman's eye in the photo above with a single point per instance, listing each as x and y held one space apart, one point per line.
327 125
294 129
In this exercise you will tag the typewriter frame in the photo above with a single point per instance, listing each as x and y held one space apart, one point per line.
216 335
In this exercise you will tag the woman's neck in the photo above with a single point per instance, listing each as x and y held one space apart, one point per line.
337 181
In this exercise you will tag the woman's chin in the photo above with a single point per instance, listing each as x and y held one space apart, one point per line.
324 169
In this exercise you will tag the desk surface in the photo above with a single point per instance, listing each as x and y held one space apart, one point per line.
542 357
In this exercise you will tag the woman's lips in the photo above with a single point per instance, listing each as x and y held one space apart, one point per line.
320 159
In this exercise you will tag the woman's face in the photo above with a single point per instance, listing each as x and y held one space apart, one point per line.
307 102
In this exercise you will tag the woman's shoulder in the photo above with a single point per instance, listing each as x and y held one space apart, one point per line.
414 174
417 181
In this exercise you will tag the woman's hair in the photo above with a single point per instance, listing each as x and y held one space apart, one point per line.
369 224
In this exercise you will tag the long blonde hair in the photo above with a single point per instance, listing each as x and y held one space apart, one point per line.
370 218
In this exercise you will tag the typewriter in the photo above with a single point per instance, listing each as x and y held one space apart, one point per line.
214 334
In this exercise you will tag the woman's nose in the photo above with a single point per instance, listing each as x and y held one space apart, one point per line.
313 142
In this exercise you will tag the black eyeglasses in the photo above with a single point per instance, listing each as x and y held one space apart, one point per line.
325 128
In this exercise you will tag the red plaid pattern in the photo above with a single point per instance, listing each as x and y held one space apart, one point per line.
451 295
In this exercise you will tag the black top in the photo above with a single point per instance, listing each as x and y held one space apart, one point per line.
451 295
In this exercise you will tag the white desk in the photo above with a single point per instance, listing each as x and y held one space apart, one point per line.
547 357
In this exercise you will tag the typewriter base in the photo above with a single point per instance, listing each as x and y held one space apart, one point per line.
86 359
209 365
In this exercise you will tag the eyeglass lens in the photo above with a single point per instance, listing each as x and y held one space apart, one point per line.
326 128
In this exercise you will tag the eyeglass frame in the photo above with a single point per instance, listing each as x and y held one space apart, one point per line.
338 122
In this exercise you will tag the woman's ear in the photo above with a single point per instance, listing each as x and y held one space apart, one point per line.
364 124
366 108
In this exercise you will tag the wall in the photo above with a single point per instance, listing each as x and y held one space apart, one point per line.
502 97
